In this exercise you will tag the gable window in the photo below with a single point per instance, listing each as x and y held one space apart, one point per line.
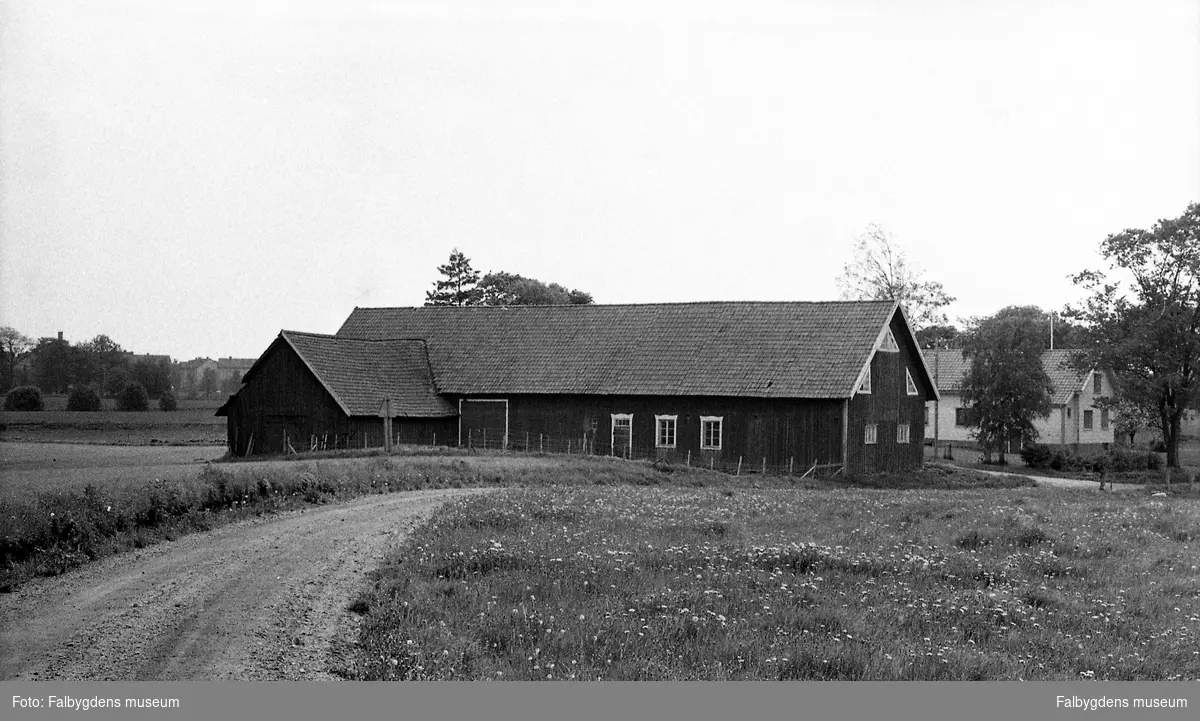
869 433
908 381
1087 420
902 433
710 433
889 343
1104 419
664 437
865 387
1097 383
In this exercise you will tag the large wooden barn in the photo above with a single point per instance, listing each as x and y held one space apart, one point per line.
788 384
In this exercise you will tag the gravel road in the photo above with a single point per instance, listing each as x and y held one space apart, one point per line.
257 600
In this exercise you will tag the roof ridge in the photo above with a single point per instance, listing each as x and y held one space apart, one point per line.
631 305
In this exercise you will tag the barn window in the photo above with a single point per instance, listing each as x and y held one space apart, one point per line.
665 437
902 433
908 381
711 432
1087 420
1097 384
866 382
1104 419
889 343
869 434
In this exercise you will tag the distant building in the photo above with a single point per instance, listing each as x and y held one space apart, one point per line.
1074 422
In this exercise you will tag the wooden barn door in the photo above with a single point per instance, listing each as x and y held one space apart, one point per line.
483 423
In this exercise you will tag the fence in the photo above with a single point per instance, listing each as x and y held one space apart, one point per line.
582 445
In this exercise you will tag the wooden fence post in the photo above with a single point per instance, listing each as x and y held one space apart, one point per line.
688 463
764 471
739 470
790 459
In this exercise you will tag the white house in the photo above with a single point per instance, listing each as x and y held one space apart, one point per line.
1074 421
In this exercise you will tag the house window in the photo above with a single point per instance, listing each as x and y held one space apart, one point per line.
902 433
962 417
889 343
710 433
866 382
1097 384
1104 419
926 415
869 433
908 381
1068 413
1087 420
665 436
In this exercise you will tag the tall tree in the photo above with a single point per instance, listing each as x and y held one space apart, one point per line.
108 364
939 336
13 346
1148 333
54 365
1052 328
502 288
458 284
880 270
1006 385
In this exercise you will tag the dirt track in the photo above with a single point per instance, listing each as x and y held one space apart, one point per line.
261 600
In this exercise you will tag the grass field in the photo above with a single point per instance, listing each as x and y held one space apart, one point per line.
193 424
679 583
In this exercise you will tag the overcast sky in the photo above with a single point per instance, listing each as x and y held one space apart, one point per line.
191 177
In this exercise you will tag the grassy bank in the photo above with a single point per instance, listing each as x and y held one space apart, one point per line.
74 521
823 582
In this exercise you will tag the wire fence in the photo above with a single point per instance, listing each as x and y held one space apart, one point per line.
481 440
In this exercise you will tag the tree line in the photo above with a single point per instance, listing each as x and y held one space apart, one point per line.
1140 321
462 285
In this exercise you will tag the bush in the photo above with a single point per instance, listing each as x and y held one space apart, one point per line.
167 401
133 398
83 399
1036 455
24 398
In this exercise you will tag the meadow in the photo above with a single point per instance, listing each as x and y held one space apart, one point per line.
814 582
194 423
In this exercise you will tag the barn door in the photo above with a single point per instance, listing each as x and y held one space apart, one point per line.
622 434
483 423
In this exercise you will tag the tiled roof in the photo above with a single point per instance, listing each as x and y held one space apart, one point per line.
773 350
949 368
361 373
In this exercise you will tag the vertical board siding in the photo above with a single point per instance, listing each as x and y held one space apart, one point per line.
284 395
802 432
887 405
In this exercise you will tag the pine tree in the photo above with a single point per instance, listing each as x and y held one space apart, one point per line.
459 284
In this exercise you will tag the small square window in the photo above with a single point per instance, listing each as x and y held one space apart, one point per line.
869 434
908 381
902 433
711 432
665 436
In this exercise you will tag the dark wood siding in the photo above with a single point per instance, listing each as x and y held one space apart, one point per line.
799 432
283 396
887 406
